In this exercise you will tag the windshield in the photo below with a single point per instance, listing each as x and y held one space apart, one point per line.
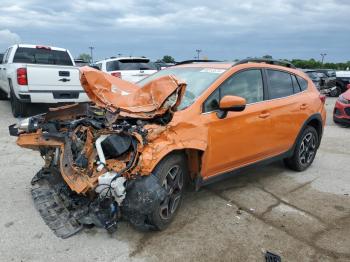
198 79
42 56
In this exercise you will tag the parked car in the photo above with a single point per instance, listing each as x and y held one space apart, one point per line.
132 69
325 83
39 74
80 62
341 113
131 154
343 79
316 79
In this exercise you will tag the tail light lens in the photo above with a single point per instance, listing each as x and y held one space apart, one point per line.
22 76
323 98
43 47
117 74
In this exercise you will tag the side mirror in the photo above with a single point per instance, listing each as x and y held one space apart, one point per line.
231 103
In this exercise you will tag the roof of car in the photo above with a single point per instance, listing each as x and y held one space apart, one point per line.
221 65
35 46
123 58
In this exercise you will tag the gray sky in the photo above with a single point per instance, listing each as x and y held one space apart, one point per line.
223 29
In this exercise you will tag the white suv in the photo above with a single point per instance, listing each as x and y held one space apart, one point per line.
132 69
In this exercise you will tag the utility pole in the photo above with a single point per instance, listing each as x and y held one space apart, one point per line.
323 55
198 52
92 58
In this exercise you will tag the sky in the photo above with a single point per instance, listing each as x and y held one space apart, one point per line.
222 29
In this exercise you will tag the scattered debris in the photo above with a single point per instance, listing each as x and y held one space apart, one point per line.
271 257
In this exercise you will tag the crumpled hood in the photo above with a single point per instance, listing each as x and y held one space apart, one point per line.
117 95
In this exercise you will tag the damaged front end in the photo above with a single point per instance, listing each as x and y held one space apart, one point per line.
93 172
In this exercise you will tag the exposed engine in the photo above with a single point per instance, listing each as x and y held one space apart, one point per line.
90 168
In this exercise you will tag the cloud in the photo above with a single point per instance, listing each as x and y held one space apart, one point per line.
224 29
8 38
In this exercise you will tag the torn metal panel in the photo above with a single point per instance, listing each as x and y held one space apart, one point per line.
104 152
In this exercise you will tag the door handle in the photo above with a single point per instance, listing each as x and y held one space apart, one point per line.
304 106
264 115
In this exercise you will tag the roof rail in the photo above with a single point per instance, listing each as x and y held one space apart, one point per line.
267 61
195 61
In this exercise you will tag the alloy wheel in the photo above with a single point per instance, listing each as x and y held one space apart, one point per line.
172 183
307 149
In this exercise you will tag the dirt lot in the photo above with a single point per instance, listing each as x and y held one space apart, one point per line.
300 216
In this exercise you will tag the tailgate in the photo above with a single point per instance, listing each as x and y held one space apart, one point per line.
53 77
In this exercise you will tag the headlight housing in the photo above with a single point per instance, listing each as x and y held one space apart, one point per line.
29 124
343 100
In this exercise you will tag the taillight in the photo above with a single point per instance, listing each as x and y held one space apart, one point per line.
117 74
22 76
43 47
323 98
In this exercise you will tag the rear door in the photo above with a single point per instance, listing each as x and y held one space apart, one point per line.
288 105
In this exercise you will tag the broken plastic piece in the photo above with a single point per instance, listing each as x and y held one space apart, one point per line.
271 257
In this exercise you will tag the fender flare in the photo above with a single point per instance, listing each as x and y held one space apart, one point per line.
315 117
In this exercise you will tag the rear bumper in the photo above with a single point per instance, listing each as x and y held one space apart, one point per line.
53 97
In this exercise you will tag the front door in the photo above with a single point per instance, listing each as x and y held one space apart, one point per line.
240 138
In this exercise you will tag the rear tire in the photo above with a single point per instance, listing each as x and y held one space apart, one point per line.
172 173
305 150
3 95
19 109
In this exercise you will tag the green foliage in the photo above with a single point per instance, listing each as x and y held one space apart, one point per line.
313 64
85 57
168 59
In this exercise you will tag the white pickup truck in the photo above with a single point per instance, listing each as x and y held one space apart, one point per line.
39 74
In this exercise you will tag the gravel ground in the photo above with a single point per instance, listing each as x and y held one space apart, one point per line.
300 216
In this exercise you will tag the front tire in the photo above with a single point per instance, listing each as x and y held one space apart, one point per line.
305 150
172 174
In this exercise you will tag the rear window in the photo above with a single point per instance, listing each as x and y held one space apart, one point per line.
280 84
131 64
42 56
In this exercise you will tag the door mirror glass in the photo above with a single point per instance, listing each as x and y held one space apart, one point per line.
232 103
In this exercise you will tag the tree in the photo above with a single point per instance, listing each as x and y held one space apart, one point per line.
267 56
85 57
168 59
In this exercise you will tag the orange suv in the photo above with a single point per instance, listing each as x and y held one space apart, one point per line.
129 153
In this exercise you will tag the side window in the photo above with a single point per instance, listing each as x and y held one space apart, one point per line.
280 84
247 84
212 102
6 56
296 86
302 82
